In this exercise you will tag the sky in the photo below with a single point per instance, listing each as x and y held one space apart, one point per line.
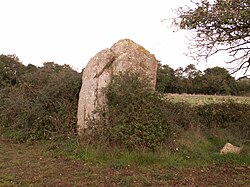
73 31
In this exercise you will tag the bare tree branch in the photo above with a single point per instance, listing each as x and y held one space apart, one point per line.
221 26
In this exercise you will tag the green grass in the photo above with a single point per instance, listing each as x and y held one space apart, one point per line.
190 154
205 99
190 150
14 134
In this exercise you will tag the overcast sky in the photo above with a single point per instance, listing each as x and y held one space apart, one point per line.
73 31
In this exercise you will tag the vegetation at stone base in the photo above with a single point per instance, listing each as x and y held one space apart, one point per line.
213 81
191 149
42 103
134 117
219 26
125 122
192 143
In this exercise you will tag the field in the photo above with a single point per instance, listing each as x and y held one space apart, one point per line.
191 159
205 99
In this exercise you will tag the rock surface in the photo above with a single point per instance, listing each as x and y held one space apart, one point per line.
229 148
125 55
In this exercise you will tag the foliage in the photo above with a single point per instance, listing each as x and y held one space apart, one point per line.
244 86
189 80
218 81
43 104
222 25
181 115
230 115
165 79
10 70
193 78
135 115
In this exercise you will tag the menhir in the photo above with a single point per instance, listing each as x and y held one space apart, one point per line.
125 55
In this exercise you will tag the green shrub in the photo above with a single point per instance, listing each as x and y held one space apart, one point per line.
43 104
230 115
134 117
181 115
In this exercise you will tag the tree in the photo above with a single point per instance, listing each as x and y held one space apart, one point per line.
165 79
180 83
244 86
191 72
223 25
192 76
217 80
10 70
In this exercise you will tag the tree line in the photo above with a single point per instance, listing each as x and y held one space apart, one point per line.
216 80
213 81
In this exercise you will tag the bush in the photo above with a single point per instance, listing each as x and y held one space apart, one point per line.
230 115
134 116
43 104
182 115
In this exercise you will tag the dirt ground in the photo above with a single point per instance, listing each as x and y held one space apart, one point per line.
29 165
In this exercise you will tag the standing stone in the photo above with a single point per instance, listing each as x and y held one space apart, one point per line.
125 55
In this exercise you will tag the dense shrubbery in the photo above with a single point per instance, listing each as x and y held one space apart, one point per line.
181 115
229 115
134 117
232 116
137 117
42 105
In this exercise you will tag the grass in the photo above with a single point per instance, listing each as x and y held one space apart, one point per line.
205 99
67 162
190 150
